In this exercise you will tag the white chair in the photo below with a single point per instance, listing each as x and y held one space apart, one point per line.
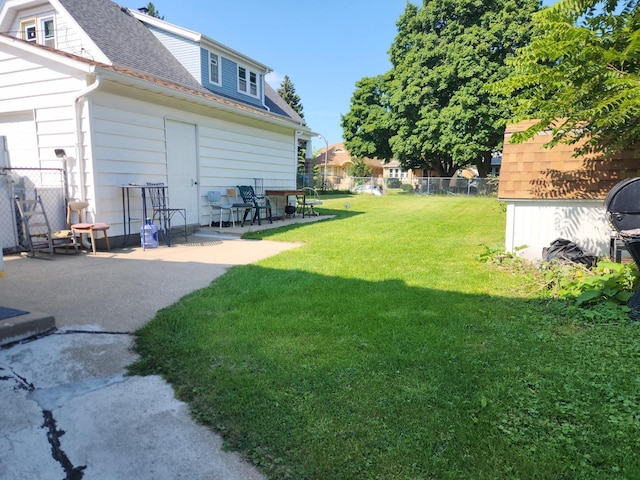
308 203
216 205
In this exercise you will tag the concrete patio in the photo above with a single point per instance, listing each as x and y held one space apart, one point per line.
68 407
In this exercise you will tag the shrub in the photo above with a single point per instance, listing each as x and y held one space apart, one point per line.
600 293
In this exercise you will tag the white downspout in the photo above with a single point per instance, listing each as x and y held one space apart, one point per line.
77 108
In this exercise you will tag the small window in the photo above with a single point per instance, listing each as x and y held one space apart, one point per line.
28 30
253 84
247 81
214 68
31 33
48 33
242 79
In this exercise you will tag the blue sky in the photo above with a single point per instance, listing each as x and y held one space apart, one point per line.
324 47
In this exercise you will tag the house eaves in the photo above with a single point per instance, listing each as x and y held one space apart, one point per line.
47 53
151 84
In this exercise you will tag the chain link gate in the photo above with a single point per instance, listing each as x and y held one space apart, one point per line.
28 183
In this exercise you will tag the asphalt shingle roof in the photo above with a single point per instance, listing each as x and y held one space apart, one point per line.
129 44
126 41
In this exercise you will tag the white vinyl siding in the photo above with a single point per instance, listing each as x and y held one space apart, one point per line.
24 86
123 134
129 144
534 224
69 40
187 52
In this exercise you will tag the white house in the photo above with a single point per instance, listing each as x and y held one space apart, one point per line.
134 99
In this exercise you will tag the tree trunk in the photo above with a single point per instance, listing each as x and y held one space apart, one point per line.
483 164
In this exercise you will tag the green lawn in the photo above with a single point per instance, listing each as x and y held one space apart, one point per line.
383 349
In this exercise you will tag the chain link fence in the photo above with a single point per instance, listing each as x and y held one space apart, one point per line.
27 183
456 186
420 185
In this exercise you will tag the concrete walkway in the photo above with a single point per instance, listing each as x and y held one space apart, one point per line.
68 411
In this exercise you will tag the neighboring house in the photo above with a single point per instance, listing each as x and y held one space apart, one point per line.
134 99
550 194
393 169
337 165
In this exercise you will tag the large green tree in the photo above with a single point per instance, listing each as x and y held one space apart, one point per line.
435 106
367 126
579 76
288 93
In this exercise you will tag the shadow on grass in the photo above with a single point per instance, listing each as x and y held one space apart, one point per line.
323 377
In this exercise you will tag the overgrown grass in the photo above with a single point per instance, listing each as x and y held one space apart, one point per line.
382 349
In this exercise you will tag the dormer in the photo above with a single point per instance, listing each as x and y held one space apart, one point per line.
47 23
33 21
215 66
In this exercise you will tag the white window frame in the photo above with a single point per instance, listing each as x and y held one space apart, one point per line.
48 40
217 68
248 84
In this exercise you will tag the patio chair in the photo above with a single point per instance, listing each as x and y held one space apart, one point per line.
259 204
82 227
214 198
238 205
309 201
160 203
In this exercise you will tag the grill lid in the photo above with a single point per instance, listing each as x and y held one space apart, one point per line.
623 205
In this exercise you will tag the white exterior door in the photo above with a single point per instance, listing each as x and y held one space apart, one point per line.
182 167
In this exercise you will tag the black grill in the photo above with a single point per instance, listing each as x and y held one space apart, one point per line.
623 207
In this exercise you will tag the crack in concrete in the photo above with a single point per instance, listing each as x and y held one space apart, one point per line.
89 332
21 383
49 399
53 436
55 331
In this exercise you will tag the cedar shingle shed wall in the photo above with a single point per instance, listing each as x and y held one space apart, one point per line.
530 171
